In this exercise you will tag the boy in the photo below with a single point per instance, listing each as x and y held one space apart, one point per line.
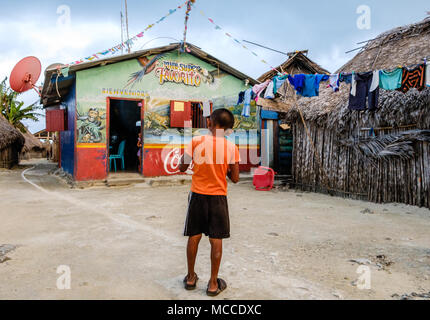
214 158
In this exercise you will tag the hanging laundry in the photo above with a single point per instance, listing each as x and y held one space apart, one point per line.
246 112
427 75
360 92
413 78
259 88
335 82
269 91
353 85
298 82
206 109
241 98
312 84
278 81
375 81
345 77
391 80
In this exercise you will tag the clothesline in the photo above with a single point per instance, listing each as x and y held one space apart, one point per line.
364 94
219 28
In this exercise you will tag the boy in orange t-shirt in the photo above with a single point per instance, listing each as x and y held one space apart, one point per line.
214 158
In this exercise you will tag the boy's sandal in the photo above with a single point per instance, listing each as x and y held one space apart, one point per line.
222 285
190 287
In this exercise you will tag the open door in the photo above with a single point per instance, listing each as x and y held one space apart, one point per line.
125 135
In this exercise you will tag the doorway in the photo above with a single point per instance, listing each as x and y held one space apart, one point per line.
125 126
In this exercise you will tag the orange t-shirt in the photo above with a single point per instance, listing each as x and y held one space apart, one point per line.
211 158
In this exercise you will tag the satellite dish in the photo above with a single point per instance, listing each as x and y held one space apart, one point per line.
25 75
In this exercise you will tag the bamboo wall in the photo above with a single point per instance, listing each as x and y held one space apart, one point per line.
349 176
9 157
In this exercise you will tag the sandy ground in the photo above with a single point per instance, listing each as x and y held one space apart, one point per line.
126 243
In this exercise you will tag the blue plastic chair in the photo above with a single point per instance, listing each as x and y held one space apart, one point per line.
120 156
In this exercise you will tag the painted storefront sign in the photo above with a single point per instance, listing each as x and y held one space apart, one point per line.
188 74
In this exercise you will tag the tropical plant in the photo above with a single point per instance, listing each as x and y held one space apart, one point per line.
14 110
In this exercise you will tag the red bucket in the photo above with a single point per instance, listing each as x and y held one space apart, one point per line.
264 179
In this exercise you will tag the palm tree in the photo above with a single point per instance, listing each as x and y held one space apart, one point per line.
14 110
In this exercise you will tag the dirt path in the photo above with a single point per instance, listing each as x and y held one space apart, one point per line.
126 243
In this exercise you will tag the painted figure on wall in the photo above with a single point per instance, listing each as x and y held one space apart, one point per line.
148 65
90 126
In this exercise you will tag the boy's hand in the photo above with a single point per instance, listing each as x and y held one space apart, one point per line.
185 163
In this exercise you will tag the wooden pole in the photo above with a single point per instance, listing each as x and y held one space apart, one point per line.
126 24
122 31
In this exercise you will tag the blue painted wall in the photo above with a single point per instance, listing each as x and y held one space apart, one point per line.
68 137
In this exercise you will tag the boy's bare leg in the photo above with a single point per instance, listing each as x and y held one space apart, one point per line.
216 255
192 248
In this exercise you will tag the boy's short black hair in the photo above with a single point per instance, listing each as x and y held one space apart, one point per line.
224 118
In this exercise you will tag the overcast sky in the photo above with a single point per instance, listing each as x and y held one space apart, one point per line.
326 28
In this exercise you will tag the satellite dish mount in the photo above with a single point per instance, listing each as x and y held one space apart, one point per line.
25 75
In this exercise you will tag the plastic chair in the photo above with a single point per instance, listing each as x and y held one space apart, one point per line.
264 179
120 156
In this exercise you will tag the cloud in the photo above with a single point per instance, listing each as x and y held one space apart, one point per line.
332 60
53 44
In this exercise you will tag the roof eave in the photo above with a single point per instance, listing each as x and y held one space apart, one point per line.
194 50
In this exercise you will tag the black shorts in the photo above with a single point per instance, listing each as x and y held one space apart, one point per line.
208 215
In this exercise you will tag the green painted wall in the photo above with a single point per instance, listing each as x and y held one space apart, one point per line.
140 79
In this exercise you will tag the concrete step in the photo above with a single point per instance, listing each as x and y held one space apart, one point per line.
123 182
127 179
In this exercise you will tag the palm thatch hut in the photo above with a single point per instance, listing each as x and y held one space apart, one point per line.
380 156
277 140
11 143
297 63
33 147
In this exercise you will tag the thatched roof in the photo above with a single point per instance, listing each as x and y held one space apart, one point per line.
9 135
404 46
31 142
297 63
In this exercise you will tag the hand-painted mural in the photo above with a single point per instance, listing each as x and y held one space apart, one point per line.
148 65
91 126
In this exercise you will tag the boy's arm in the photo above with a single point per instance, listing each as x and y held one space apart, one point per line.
233 168
233 172
187 158
185 162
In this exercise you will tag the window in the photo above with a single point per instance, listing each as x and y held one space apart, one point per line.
197 116
180 114
55 120
187 115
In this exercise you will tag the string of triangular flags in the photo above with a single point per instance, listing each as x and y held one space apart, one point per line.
219 28
364 91
189 5
127 43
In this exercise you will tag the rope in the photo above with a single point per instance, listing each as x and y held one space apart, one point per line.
56 84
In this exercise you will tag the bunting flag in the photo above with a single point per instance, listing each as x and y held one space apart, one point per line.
129 42
189 5
217 27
